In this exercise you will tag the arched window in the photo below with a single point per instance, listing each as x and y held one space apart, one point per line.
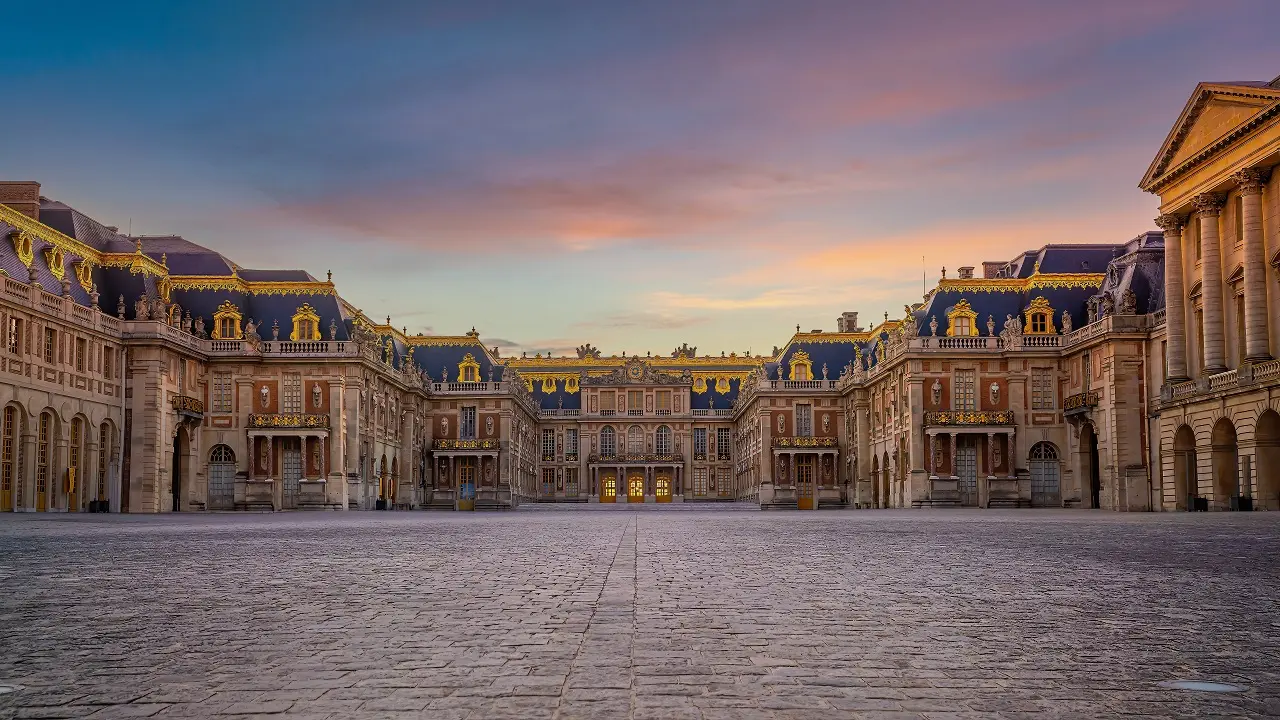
222 478
8 458
1043 451
662 442
608 442
1045 470
635 440
219 454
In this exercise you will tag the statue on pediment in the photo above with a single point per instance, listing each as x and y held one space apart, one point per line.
1066 322
142 308
1128 303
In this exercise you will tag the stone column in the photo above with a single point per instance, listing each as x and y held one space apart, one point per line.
928 461
991 454
1175 300
1257 342
861 428
27 471
953 456
1008 451
88 480
1209 206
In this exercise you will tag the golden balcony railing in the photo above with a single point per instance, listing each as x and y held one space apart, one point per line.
288 420
637 458
804 442
961 418
464 444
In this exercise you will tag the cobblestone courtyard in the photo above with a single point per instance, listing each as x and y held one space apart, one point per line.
655 613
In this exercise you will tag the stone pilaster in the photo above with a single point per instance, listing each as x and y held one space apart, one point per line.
1209 207
1257 342
1175 301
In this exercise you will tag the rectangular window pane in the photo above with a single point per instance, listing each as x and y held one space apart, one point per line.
804 420
722 443
548 444
700 441
964 393
292 397
467 424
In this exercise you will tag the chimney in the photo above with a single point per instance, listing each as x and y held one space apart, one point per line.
21 195
992 269
848 322
966 273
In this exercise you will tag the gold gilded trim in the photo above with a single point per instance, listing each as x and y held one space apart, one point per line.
962 309
1039 307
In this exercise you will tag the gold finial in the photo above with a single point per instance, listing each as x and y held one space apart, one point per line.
330 276
137 245
164 259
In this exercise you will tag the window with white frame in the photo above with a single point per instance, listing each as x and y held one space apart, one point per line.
1042 396
965 395
221 392
292 396
548 443
700 441
662 440
804 421
571 441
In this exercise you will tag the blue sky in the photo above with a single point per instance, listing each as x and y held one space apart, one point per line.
633 175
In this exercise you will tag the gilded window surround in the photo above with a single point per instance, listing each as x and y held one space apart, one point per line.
800 359
1039 306
304 313
962 309
23 244
469 363
56 260
226 310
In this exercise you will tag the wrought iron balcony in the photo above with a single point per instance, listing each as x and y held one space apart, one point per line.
961 418
638 458
1079 403
288 420
187 404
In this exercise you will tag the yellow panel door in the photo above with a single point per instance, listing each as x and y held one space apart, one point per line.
635 489
73 491
608 488
804 484
662 486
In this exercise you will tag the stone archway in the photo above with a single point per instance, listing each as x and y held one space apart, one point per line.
1090 476
1226 465
1266 437
178 486
875 481
1185 483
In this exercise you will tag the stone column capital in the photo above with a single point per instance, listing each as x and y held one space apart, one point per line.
1251 180
1208 204
1170 224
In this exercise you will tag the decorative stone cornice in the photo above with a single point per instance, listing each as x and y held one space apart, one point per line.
1170 224
1208 204
1251 180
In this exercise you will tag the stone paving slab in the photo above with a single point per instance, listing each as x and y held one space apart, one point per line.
652 613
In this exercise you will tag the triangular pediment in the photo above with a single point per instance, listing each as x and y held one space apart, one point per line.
1213 113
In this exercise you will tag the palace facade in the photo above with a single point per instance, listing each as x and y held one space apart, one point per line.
151 374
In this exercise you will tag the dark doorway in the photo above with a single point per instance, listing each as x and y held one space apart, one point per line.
179 454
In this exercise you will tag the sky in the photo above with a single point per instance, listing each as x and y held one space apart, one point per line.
635 175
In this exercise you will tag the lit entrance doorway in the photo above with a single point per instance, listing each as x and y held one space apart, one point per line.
1185 484
635 488
181 443
804 482
967 471
608 487
662 487
466 483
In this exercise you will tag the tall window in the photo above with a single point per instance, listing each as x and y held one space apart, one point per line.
104 448
14 337
608 442
799 372
42 455
221 393
1164 359
107 363
966 399
699 482
50 340
1240 346
1239 208
663 402
571 481
571 441
82 350
662 440
467 423
73 454
548 444
608 402
1199 249
635 440
1039 322
700 441
722 443
804 421
7 473
292 397
635 402
548 481
961 326
1042 389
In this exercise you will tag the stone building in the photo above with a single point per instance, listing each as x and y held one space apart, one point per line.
151 374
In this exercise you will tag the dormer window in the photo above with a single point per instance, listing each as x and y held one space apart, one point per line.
226 322
306 324
469 371
962 320
1039 318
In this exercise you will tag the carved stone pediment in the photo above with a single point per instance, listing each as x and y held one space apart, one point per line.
638 372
